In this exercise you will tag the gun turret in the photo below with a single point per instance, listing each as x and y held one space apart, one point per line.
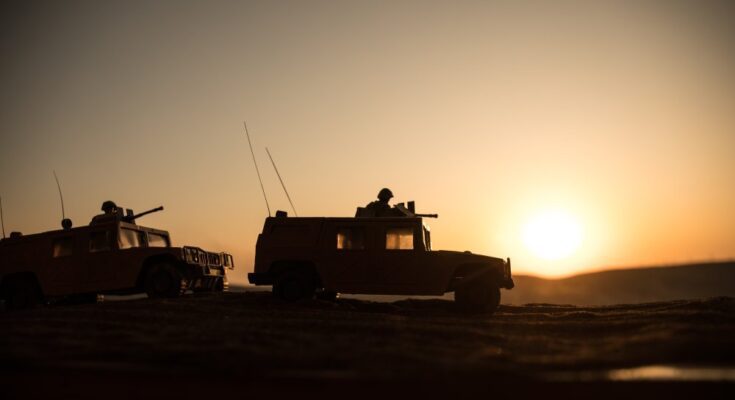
131 217
411 210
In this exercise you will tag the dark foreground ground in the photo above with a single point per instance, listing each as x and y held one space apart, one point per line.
249 344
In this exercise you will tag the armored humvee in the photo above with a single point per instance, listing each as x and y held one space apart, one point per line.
302 257
112 255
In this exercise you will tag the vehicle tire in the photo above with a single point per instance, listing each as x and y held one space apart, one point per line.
327 295
163 280
20 293
293 286
482 295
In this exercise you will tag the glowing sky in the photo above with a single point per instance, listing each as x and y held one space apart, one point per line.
618 114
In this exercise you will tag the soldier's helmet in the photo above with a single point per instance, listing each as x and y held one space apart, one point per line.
108 205
385 194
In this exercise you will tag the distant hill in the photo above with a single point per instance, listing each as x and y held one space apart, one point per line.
636 285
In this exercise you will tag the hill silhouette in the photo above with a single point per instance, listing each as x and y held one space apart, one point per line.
627 286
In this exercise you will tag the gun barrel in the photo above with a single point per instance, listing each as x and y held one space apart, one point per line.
428 215
144 213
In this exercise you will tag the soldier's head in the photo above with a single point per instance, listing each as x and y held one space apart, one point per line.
385 194
109 207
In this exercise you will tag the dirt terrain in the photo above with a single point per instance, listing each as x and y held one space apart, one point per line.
251 342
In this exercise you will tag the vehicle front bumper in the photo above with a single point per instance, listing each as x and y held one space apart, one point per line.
260 278
507 276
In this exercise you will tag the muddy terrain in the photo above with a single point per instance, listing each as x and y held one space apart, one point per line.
249 342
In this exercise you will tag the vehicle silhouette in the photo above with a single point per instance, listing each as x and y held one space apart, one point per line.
109 256
303 257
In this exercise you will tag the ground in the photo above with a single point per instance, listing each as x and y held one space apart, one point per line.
250 342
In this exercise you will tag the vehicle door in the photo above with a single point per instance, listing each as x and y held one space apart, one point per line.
66 265
128 260
400 259
346 255
102 257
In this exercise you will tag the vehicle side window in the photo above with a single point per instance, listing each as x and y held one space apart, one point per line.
399 239
155 240
129 238
63 246
351 238
100 241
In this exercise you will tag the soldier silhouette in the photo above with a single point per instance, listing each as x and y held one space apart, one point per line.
111 213
380 207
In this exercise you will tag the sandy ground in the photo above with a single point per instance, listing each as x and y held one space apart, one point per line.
234 343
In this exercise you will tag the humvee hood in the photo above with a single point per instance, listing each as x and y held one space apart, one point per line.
468 257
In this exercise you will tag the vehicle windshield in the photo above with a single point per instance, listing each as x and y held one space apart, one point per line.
129 238
156 240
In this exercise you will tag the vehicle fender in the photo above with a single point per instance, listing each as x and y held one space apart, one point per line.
467 273
156 259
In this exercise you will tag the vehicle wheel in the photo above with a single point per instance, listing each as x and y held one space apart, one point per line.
163 280
292 286
20 293
479 296
327 295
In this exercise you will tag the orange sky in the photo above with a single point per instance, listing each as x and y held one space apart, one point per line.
621 114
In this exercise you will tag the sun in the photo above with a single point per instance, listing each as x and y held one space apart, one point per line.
552 235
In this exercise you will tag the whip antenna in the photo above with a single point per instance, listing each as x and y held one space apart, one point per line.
61 197
256 168
2 221
282 184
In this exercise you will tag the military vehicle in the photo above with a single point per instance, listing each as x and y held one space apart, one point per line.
303 257
112 255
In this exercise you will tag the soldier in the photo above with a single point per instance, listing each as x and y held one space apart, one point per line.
111 213
380 207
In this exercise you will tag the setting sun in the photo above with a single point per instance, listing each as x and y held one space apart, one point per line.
552 235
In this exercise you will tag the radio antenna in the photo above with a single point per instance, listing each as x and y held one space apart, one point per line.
281 180
61 197
2 221
256 168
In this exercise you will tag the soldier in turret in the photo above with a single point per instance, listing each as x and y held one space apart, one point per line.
111 213
380 207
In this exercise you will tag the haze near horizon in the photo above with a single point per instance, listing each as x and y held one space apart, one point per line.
569 136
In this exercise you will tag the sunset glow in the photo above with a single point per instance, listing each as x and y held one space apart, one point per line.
568 136
552 235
